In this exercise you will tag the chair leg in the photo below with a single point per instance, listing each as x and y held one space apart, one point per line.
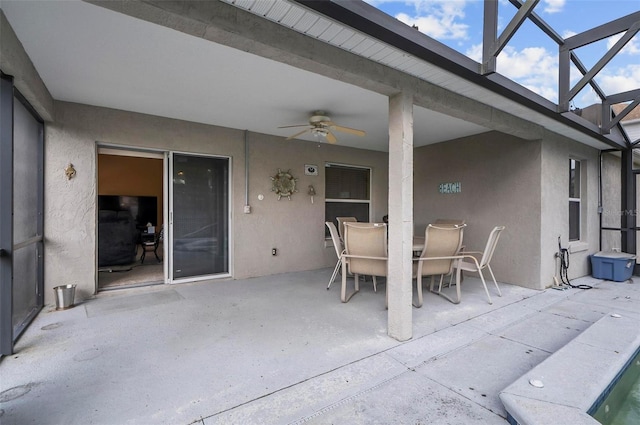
494 280
485 286
451 277
375 284
458 281
419 291
456 301
335 273
343 292
343 289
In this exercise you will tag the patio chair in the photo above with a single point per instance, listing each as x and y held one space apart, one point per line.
441 249
470 262
341 221
444 222
150 243
365 253
339 246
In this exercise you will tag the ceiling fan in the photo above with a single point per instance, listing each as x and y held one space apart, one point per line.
320 125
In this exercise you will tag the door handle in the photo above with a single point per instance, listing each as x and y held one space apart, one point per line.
4 253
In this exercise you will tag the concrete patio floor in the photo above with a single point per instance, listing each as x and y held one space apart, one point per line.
281 349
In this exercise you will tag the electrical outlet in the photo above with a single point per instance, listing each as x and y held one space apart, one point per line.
274 251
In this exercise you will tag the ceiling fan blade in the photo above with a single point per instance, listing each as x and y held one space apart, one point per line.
297 134
296 125
331 138
353 131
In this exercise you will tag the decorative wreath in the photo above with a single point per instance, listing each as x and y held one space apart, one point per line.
284 184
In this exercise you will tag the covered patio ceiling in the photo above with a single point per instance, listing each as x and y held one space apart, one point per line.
92 55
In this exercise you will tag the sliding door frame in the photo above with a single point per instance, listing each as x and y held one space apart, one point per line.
170 209
10 328
152 153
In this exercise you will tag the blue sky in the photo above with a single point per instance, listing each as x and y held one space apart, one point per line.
530 58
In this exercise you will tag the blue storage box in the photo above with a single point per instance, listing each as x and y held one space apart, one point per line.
616 266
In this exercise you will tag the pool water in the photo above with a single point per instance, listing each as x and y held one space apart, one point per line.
621 406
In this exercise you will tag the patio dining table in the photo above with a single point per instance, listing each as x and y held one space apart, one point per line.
417 245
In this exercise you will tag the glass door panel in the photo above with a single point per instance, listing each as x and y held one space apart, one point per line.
27 217
21 214
199 216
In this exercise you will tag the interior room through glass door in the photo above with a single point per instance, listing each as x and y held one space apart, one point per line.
199 216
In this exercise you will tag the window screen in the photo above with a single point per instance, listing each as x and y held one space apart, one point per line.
574 200
347 193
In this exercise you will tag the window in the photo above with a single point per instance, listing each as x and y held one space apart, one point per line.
347 192
574 200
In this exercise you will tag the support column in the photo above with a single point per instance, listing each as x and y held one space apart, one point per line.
399 280
628 198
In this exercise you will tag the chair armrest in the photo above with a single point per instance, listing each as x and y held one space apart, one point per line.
476 254
452 257
472 256
472 252
364 257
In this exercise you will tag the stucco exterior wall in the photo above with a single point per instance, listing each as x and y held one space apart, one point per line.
500 176
611 201
556 152
295 228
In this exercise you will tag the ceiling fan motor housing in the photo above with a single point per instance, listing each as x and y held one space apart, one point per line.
320 125
318 118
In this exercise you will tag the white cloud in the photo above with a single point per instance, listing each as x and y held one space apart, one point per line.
435 27
624 79
568 33
475 52
537 69
440 19
444 7
631 48
615 81
553 6
533 67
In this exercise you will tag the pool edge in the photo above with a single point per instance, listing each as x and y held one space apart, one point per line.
575 376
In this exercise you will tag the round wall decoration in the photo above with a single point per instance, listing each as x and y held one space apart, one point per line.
284 184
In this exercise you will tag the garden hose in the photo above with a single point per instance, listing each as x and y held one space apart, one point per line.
563 255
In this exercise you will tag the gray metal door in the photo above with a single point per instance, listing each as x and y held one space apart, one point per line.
21 214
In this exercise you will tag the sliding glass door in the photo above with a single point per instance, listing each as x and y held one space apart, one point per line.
198 216
21 214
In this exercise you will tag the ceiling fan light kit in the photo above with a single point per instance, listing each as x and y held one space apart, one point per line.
321 126
320 132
